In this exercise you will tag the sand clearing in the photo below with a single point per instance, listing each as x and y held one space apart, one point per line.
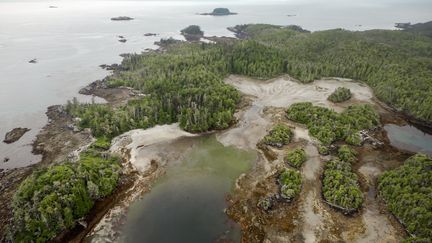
144 144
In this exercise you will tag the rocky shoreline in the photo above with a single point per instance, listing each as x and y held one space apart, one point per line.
15 134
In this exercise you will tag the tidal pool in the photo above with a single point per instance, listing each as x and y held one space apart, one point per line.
187 204
409 138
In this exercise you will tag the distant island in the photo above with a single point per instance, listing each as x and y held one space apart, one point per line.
220 12
121 18
420 28
192 33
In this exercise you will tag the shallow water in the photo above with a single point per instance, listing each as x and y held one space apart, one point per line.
187 204
409 138
70 42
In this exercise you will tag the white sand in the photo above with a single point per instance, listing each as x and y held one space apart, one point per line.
142 143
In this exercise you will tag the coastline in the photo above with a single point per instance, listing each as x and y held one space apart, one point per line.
51 140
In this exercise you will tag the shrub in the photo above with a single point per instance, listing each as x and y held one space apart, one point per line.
278 136
340 94
347 154
296 157
323 150
290 182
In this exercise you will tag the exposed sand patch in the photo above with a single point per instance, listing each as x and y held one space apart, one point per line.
378 226
144 145
284 91
281 92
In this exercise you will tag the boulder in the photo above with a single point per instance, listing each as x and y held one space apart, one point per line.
15 134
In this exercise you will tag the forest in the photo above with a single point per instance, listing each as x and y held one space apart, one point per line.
407 192
53 199
340 185
328 126
185 83
397 65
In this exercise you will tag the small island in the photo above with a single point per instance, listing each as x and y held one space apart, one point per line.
192 33
122 18
220 12
150 34
15 134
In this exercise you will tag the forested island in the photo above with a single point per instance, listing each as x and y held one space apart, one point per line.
184 83
220 12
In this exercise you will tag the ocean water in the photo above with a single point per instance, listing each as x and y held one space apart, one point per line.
71 41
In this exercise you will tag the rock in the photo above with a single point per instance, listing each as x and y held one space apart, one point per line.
150 34
33 61
122 18
52 6
15 134
110 67
83 223
89 89
6 159
123 40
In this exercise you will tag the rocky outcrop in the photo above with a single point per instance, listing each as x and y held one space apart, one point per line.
121 18
15 134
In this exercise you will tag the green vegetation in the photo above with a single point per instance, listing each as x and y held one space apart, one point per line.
340 186
221 12
341 94
407 191
278 136
328 126
296 157
323 150
254 59
184 84
395 64
192 30
420 28
290 182
54 198
347 154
